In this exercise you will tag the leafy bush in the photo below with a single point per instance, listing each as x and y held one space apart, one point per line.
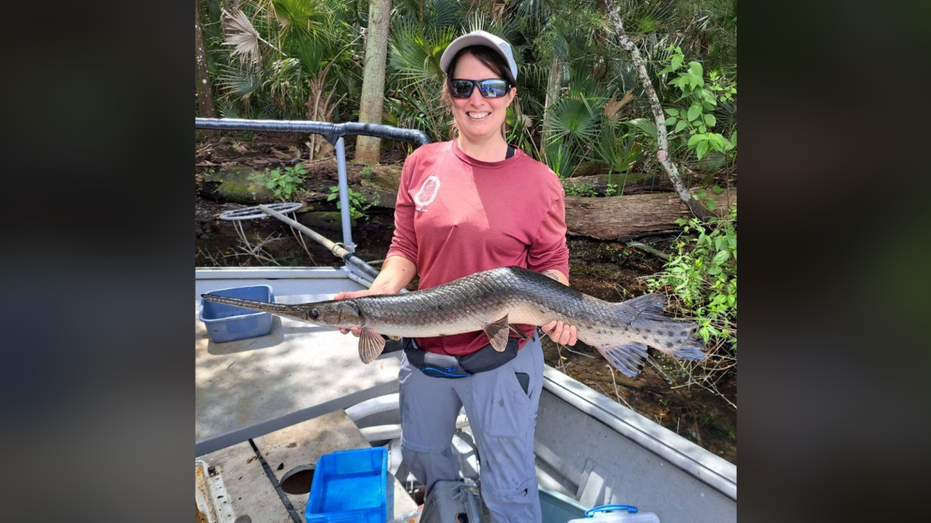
283 184
703 276
358 205
697 119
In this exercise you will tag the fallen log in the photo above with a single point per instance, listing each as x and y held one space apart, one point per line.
634 216
236 184
621 218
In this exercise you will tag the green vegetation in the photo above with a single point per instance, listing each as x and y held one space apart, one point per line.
358 204
579 98
285 184
702 276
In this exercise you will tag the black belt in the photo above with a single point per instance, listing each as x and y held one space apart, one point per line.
446 366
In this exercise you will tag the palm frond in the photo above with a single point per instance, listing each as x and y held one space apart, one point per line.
446 13
533 15
239 83
642 18
620 151
242 36
647 127
572 119
417 113
613 106
507 28
532 74
309 51
304 15
228 109
286 85
562 156
429 14
414 53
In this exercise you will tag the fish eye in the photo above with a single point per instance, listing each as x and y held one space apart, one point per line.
314 314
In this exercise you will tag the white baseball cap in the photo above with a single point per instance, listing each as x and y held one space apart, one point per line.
479 38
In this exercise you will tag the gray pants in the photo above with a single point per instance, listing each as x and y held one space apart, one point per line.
503 418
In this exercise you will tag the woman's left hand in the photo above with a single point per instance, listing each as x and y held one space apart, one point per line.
561 333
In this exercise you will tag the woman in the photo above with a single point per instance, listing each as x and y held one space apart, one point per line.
467 205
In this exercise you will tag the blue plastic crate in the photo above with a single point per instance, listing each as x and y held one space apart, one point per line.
349 486
228 323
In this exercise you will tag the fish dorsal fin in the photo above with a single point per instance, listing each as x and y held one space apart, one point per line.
627 358
371 345
497 332
653 303
642 308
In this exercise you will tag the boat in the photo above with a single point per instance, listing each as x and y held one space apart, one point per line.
305 385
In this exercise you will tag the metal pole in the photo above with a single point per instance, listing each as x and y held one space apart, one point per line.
345 255
344 194
331 131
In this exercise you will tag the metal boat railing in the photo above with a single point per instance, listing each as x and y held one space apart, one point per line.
334 133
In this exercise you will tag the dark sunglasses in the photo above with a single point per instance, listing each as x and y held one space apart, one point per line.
491 88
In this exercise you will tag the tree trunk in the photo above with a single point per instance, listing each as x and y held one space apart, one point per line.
203 88
626 217
497 9
373 81
663 153
553 84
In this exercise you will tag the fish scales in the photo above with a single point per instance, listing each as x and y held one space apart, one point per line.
473 301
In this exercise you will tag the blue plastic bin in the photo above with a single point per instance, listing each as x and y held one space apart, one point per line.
349 486
228 323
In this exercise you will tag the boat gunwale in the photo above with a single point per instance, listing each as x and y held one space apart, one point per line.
703 465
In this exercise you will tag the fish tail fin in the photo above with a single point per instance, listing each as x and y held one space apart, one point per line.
691 350
653 327
676 339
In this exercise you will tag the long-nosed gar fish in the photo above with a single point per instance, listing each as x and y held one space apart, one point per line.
493 301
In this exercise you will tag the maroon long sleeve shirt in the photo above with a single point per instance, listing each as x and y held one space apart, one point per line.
456 216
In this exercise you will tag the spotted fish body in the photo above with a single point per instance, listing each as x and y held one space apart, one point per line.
493 301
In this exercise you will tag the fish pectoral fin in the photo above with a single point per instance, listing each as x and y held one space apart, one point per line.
371 345
628 358
515 330
497 332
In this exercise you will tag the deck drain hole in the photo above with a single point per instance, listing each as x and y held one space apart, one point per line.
298 480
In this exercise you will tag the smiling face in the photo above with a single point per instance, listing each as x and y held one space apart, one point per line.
479 119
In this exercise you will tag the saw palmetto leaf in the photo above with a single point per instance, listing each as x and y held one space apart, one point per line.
242 36
239 83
